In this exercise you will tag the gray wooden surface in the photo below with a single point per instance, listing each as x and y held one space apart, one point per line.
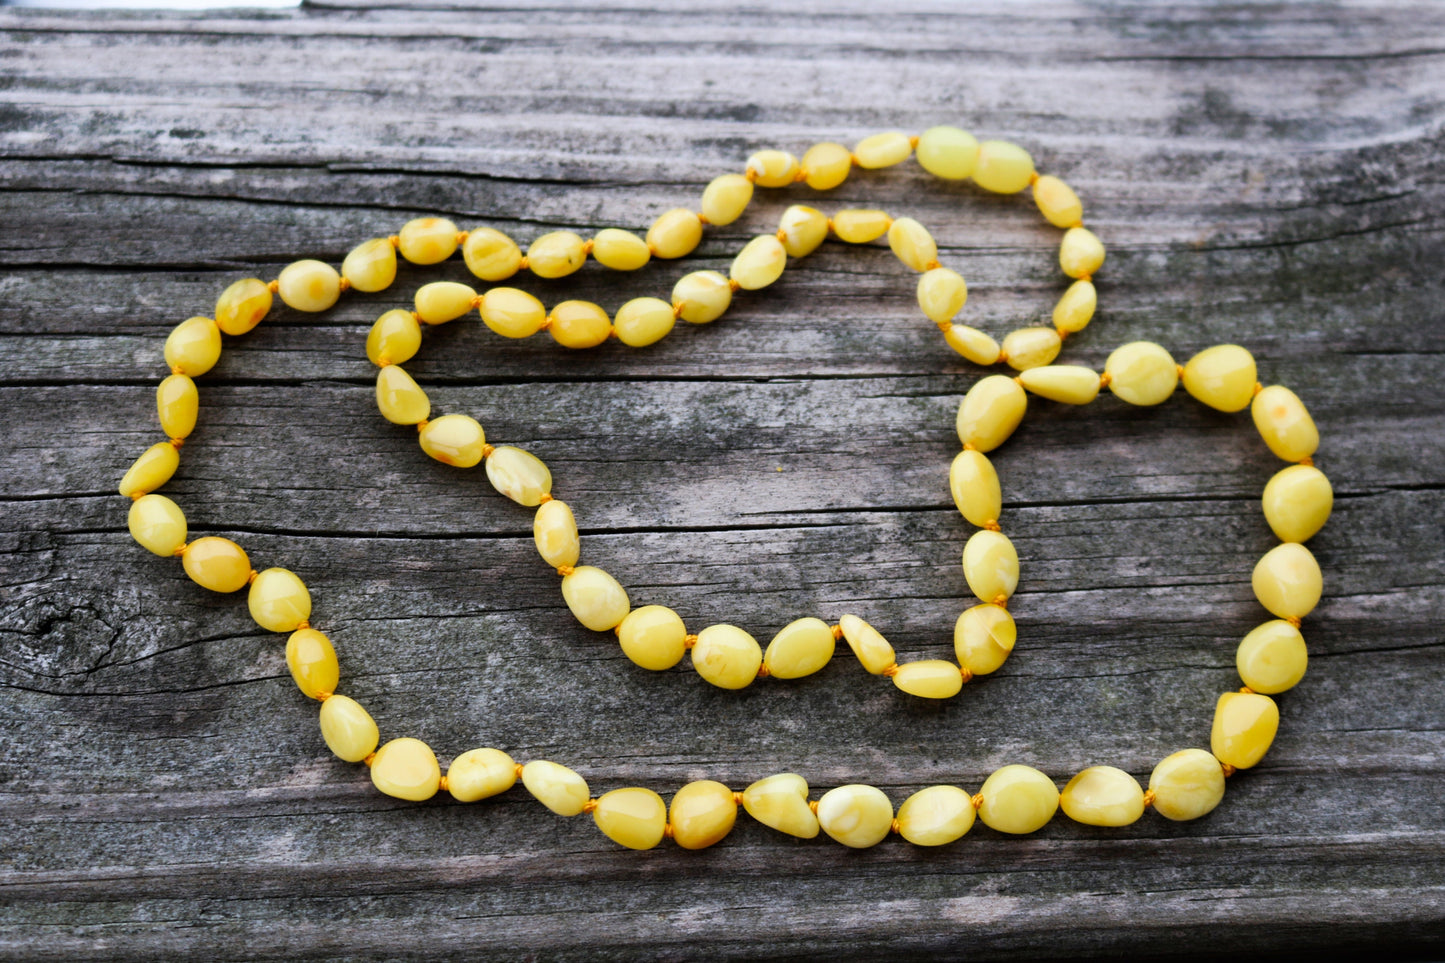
1270 176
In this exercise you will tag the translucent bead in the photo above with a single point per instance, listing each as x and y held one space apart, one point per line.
579 324
597 599
644 321
193 347
427 240
279 601
990 412
948 152
554 530
1272 658
177 405
632 817
218 564
242 305
726 656
371 265
151 470
804 229
1067 383
1031 347
1187 785
1297 502
312 662
1018 799
929 679
773 168
622 250
453 440
941 294
1141 373
883 150
158 524
491 255
512 313
826 165
556 254
974 484
653 637
800 648
867 643
702 813
1081 254
348 729
781 802
1103 796
1223 377
1287 581
973 344
983 637
309 285
399 398
675 234
912 244
861 226
1002 167
1284 424
725 199
443 301
1076 308
702 296
518 474
480 774
1245 724
394 338
990 565
759 263
856 816
1058 202
556 787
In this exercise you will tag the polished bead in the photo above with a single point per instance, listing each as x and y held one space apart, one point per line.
1018 799
348 729
983 637
801 648
1026 348
861 226
279 601
622 250
1187 785
394 338
725 198
1076 308
193 347
948 152
867 643
371 265
556 254
1245 724
518 474
480 774
1284 424
1081 254
1067 383
883 150
804 229
1058 202
759 263
1141 373
512 313
1002 167
1103 796
427 240
632 817
1297 502
990 565
597 599
443 301
218 564
491 255
936 816
556 787
158 524
242 305
579 324
177 405
781 802
309 285
554 530
856 816
990 412
974 484
773 168
675 234
1287 581
653 637
702 813
644 321
826 165
912 244
151 470
453 440
701 296
1223 377
726 656
929 679
941 294
1272 658
312 662
973 344
400 399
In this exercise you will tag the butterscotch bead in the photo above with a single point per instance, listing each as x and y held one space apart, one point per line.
1141 373
867 643
178 404
804 229
399 398
1066 383
309 285
644 321
975 345
1103 796
1057 202
427 240
218 564
157 524
1297 502
1076 308
633 817
394 338
193 347
480 773
983 637
936 816
781 802
151 470
702 296
653 637
456 440
596 598
556 254
1284 423
1031 347
1272 658
990 412
312 661
242 305
675 234
773 168
512 313
727 656
912 244
973 482
1018 799
371 265
1245 724
826 166
1081 254
520 475
702 813
622 250
579 324
990 565
406 769
348 729
759 263
443 301
725 199
554 531
929 679
860 226
856 816
941 295
1287 581
279 601
799 649
556 787
1223 377
883 150
491 255
1187 785
1002 167
948 152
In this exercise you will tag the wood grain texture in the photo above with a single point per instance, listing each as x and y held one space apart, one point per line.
1265 175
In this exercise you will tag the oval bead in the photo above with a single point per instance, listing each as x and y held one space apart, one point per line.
1272 658
1297 502
1284 424
480 774
1067 383
518 474
912 244
929 679
279 601
579 324
1018 799
453 440
554 530
394 338
556 254
883 150
860 226
973 344
726 656
312 661
443 301
701 296
632 817
936 816
371 265
309 285
177 405
983 637
556 787
597 599
990 565
1287 581
427 240
1141 373
1103 796
1223 377
1186 785
1076 308
676 233
725 198
512 313
158 524
975 488
218 564
1002 167
151 470
653 637
948 152
867 643
406 769
801 648
702 813
399 398
856 816
1081 253
1026 348
941 294
781 802
773 168
1245 724
991 411
193 347
348 729
491 255
826 165
804 230
1057 202
622 250
242 305
644 321
759 263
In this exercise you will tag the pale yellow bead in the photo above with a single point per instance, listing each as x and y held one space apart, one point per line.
883 150
1297 502
644 321
653 637
512 313
394 338
622 250
990 565
427 240
759 263
158 524
406 769
990 412
1067 383
1141 373
178 404
556 254
701 296
371 265
725 198
983 637
218 564
399 398
867 643
856 816
1076 308
804 229
1002 167
800 648
1081 253
973 344
193 347
151 470
912 244
554 530
773 168
1187 785
1245 724
309 285
675 234
702 813
556 787
929 679
518 474
1223 377
579 324
1103 796
480 774
861 226
941 295
726 656
453 440
597 599
279 601
1026 348
826 165
312 661
348 729
781 802
242 305
1018 799
1284 423
1272 658
443 301
632 817
1058 202
974 484
948 152
1287 581
936 816
491 255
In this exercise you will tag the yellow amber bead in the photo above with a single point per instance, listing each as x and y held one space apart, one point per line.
883 150
1272 658
512 313
491 255
1103 796
653 637
394 338
941 294
973 344
453 440
1018 799
826 165
1081 254
948 152
151 470
990 412
309 285
1223 377
1284 424
781 802
974 484
867 643
1076 308
1002 167
983 637
773 168
702 813
279 601
725 199
990 565
406 769
1058 202
929 679
675 234
804 230
861 226
443 301
1067 383
702 296
1297 502
632 817
554 530
348 729
1031 347
644 321
801 648
400 399
371 265
1287 581
1187 785
242 305
579 324
726 656
177 405
759 263
556 254
622 250
218 564
480 774
1141 373
193 347
1245 724
312 662
597 599
427 240
158 524
912 244
518 474
936 816
856 816
556 787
